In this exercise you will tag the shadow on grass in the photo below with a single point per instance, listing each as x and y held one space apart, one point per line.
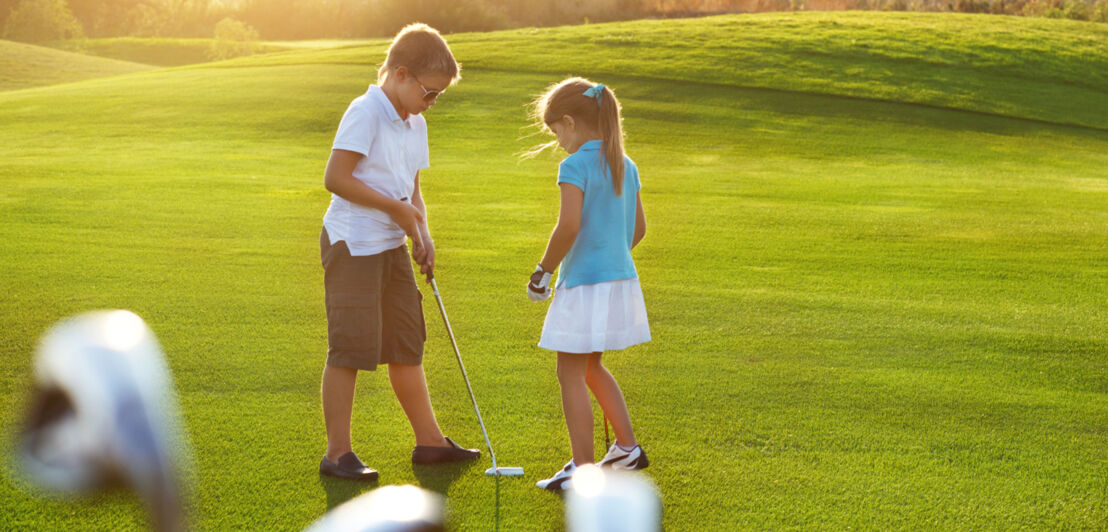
340 490
438 478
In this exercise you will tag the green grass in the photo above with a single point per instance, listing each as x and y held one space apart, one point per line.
25 65
318 43
1042 69
162 51
867 314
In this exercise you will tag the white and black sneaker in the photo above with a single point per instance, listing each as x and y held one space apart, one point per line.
561 480
618 458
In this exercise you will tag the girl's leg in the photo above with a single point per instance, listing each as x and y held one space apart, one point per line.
576 405
337 391
610 397
410 387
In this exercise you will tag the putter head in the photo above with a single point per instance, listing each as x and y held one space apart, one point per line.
103 413
504 471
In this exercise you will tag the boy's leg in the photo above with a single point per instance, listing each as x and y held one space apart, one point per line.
610 397
576 405
410 386
402 336
337 391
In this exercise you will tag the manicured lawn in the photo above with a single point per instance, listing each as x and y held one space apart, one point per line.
866 313
162 51
26 65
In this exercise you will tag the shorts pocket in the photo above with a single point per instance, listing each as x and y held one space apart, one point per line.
354 322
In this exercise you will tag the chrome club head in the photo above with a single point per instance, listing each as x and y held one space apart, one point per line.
386 509
103 413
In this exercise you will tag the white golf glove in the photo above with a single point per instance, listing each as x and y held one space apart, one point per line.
539 287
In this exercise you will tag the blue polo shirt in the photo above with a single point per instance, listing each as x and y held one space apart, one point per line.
602 251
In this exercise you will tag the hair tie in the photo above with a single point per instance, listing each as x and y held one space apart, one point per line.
595 92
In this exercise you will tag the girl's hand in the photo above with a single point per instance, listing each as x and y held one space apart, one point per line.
538 288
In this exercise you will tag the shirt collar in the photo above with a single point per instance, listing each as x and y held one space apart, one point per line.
592 145
382 99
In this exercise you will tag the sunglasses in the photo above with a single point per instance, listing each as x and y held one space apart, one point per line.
428 95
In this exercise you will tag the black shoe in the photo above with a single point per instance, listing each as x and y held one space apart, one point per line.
428 454
348 466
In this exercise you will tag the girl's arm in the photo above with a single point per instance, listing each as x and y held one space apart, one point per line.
640 222
424 255
565 233
339 179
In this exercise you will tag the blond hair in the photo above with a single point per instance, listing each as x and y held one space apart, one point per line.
602 113
422 50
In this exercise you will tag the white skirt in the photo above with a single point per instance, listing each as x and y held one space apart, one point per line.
596 317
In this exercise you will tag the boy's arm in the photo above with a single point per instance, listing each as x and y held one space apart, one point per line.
339 179
565 233
424 255
640 222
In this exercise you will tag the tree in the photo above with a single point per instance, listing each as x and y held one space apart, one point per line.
37 21
105 18
6 7
232 39
1100 11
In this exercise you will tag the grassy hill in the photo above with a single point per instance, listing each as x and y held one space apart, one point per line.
25 65
1043 69
875 275
162 51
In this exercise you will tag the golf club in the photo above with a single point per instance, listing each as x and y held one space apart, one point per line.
104 413
386 509
494 470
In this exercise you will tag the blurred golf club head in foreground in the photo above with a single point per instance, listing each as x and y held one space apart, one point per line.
386 509
103 413
606 500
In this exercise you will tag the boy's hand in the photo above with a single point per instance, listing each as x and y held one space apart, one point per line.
538 288
424 255
409 219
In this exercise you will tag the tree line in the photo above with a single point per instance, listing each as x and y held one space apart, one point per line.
53 20
308 19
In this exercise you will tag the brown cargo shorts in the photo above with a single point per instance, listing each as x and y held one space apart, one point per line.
374 307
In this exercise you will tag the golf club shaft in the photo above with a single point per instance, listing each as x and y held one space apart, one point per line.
458 355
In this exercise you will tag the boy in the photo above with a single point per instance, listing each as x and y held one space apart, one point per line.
374 307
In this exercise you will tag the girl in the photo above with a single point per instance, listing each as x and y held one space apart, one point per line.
599 305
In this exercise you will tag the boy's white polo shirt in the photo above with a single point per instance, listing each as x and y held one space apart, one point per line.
394 150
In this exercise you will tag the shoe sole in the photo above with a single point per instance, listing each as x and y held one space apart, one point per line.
561 484
346 476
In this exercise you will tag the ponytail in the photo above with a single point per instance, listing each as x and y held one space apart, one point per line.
611 133
592 104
